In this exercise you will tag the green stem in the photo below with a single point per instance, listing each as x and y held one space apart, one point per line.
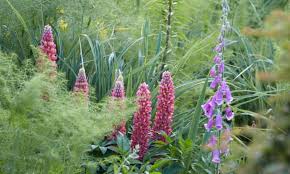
168 30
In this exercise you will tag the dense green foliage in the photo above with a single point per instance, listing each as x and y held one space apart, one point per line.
45 128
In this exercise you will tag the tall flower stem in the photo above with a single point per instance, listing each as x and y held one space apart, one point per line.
219 143
168 31
223 34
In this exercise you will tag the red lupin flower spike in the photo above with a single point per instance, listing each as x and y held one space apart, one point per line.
141 122
118 95
165 107
81 84
47 44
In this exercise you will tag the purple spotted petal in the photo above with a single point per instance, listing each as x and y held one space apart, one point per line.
219 97
219 122
226 91
208 108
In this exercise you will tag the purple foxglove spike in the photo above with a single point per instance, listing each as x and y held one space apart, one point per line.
221 67
217 59
229 113
212 142
216 156
212 72
215 82
219 122
219 97
209 124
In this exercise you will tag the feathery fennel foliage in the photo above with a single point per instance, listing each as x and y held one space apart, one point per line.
45 128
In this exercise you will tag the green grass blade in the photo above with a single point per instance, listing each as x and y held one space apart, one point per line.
197 114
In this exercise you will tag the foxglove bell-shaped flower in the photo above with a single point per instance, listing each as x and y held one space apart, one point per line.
212 72
217 59
229 97
209 124
216 81
219 122
229 113
221 67
141 121
212 143
219 97
165 107
216 156
227 92
219 47
208 108
225 140
224 87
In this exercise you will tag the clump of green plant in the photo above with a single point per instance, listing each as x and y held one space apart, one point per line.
45 128
270 154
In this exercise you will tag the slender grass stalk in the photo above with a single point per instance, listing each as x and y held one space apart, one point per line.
193 129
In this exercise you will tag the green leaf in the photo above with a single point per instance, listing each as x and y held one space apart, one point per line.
123 143
103 149
159 164
173 169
